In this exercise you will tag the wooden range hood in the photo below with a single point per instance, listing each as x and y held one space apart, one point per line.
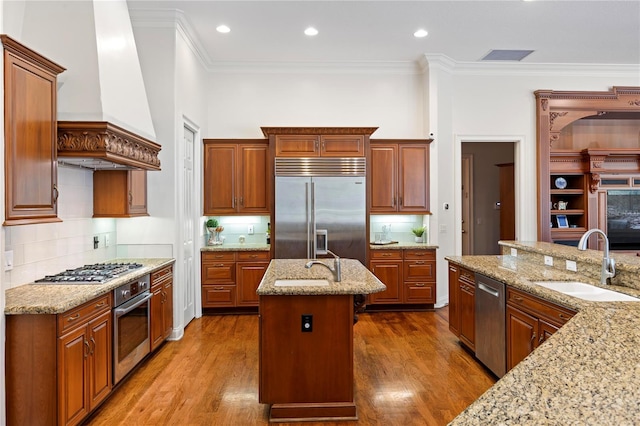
100 145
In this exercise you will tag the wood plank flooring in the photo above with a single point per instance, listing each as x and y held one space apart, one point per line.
409 370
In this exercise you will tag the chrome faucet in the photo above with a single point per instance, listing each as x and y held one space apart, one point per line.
336 265
608 264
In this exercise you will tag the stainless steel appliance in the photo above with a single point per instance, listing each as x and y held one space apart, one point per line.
98 273
320 206
491 332
131 326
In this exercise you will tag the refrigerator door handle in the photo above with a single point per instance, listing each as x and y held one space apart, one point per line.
306 216
313 236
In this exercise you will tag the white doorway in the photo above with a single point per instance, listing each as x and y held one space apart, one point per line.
187 220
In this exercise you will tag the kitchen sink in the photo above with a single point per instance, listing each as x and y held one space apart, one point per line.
587 291
301 283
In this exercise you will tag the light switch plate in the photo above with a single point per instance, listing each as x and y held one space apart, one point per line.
8 260
514 252
250 229
571 266
548 260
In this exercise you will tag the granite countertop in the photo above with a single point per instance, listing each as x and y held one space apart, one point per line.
586 373
403 245
58 298
356 279
238 247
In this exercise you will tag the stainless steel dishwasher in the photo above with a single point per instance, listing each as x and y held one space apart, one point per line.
490 324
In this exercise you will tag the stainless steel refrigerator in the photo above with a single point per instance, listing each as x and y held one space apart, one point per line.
320 205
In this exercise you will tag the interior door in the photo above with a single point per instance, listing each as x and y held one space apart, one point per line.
467 204
187 220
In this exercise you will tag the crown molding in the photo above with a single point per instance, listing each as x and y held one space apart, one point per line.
295 67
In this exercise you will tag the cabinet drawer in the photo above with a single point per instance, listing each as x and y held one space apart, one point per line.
420 270
83 313
217 256
386 254
253 255
467 276
218 295
420 254
161 275
219 273
420 293
556 314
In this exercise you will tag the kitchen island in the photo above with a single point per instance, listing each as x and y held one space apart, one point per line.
588 371
306 338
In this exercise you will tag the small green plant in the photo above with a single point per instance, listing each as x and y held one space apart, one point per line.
212 223
418 231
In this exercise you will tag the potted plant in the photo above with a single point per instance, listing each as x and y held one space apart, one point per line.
419 232
214 229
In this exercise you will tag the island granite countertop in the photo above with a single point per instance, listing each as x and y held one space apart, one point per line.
588 372
35 298
356 279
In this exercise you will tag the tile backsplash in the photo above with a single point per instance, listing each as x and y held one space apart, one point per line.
49 248
400 225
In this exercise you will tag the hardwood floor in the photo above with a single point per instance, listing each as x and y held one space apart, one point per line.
409 369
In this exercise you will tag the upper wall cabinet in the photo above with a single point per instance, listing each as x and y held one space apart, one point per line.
30 80
236 177
399 176
301 142
119 193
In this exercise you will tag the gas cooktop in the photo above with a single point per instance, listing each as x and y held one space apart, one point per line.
98 273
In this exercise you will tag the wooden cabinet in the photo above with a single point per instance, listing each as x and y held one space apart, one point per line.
59 367
119 193
30 135
530 321
161 305
462 304
230 279
236 177
399 174
568 204
410 276
319 145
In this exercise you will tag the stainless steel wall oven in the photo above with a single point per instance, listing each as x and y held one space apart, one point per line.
131 326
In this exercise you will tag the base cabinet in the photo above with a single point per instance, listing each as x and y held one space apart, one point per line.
230 279
530 321
409 274
161 306
77 346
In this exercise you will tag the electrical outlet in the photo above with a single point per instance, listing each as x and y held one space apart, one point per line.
514 252
106 240
8 260
96 242
571 266
307 323
250 230
443 229
548 260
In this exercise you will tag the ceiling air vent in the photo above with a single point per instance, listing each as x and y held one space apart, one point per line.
507 55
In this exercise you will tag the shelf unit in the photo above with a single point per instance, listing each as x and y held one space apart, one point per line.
575 195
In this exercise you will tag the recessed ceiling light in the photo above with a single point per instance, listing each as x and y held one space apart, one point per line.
311 31
420 33
223 29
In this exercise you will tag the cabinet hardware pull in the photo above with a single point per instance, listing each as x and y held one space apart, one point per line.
93 342
517 298
100 305
420 262
541 339
74 317
219 265
393 203
400 201
241 201
218 256
418 253
218 288
56 193
233 203
563 316
253 256
420 285
386 254
531 342
130 198
86 353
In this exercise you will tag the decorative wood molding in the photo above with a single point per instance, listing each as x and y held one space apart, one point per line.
24 52
367 131
594 182
111 145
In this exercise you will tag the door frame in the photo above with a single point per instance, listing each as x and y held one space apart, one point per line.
467 203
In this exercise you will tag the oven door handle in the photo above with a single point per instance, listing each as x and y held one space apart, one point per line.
121 311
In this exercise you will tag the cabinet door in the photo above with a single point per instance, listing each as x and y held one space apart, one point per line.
522 331
218 296
390 273
467 300
30 142
248 276
454 309
253 196
383 175
297 146
342 146
545 330
157 312
219 273
219 179
137 192
100 359
73 397
413 178
167 308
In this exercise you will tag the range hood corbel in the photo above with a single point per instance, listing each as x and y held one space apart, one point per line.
100 145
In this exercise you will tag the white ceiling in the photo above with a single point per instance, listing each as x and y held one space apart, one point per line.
559 31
